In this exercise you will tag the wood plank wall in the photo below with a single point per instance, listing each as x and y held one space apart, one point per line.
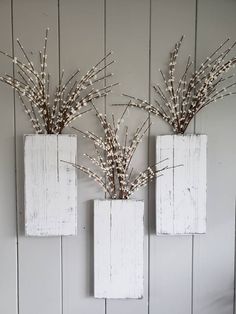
183 275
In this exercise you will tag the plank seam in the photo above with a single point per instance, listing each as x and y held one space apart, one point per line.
105 98
194 126
234 292
59 74
105 49
149 147
173 182
15 166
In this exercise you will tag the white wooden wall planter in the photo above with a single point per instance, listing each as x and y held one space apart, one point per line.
118 249
181 191
50 185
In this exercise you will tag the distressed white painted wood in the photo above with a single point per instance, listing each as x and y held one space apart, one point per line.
181 192
50 185
118 249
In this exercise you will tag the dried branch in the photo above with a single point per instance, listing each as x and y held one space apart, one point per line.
112 159
180 100
32 85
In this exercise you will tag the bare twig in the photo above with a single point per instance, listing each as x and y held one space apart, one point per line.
180 100
112 159
70 98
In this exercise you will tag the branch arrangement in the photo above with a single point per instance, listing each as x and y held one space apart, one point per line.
113 159
180 100
69 99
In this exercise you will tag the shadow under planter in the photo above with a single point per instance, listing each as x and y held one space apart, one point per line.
118 249
50 185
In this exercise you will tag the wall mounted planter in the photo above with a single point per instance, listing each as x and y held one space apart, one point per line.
50 185
181 191
118 249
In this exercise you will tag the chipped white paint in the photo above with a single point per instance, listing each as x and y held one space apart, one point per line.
181 191
118 249
50 185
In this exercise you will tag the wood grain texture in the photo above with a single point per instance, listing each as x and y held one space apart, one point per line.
181 192
50 185
118 249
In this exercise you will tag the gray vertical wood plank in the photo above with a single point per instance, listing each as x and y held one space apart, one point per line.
82 42
127 34
39 259
8 253
170 257
213 288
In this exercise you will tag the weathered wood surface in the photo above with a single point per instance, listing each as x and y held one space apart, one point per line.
50 185
118 249
181 192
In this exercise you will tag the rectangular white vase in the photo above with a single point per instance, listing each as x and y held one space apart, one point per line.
181 191
118 249
50 185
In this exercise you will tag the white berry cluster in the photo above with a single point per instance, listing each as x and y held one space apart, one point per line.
180 100
112 159
50 115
